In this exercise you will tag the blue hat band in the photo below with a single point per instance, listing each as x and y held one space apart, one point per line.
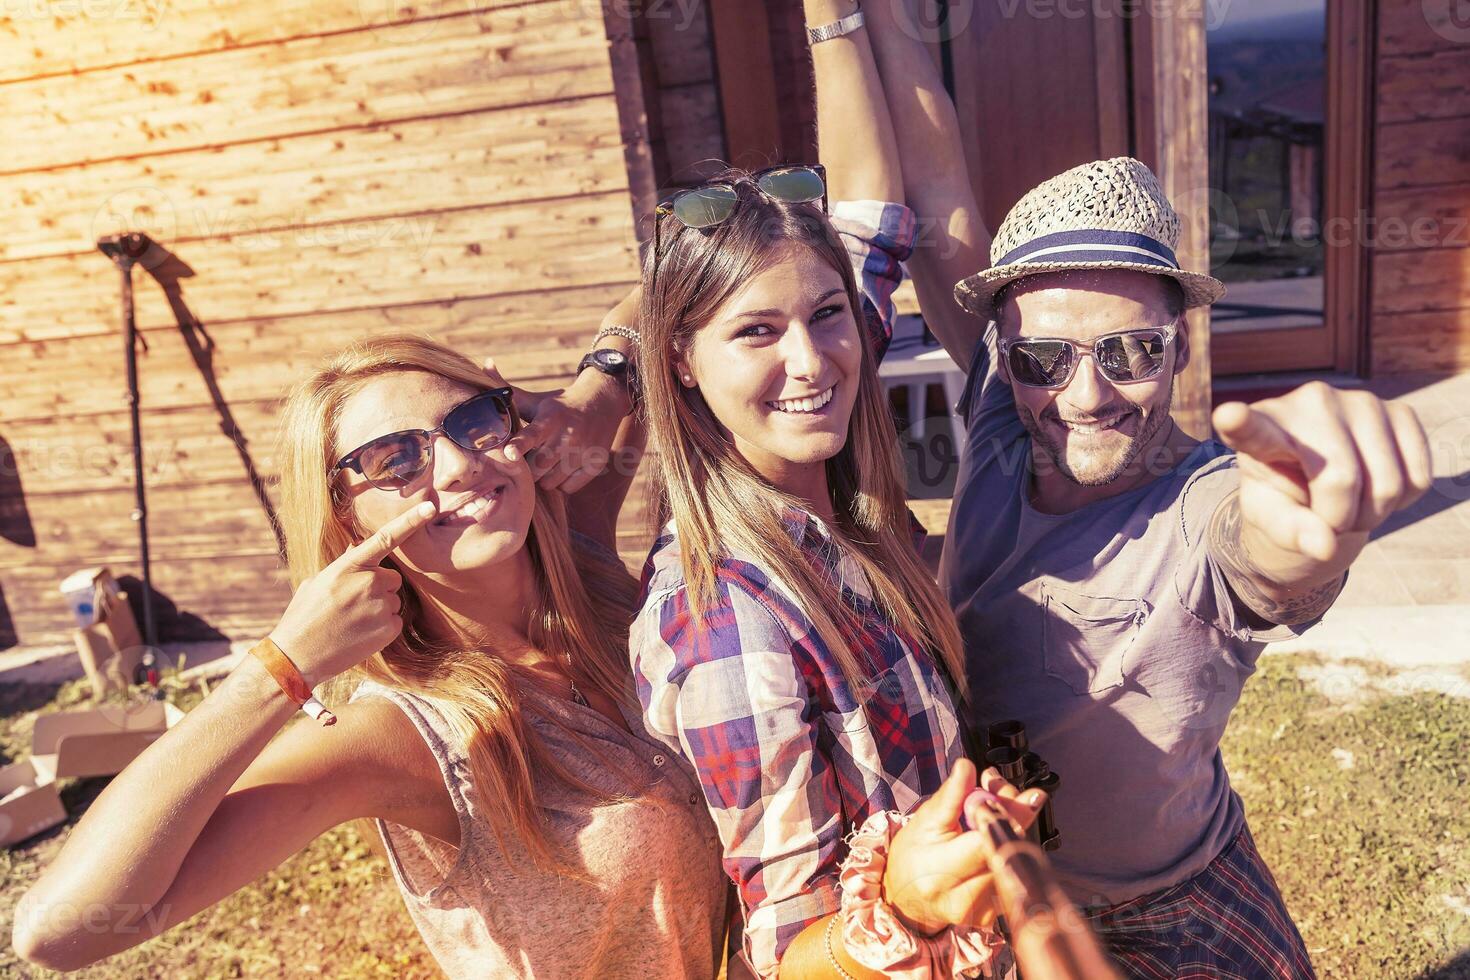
1093 245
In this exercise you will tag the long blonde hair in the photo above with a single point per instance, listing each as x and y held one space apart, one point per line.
583 606
718 502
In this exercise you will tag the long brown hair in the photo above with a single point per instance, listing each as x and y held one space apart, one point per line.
718 502
583 607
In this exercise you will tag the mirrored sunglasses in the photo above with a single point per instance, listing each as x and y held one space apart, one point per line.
1125 357
712 204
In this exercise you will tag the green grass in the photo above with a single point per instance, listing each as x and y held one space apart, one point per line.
1373 857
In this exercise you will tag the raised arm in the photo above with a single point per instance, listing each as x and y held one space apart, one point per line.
586 440
856 136
954 242
596 498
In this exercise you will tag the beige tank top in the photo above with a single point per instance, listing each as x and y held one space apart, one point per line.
651 904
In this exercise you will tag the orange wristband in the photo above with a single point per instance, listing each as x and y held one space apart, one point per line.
290 679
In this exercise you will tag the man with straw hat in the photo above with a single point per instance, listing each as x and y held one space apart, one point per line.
1115 578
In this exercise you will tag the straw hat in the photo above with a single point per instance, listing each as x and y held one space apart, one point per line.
1109 214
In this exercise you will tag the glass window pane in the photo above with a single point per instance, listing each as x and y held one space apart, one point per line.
1267 71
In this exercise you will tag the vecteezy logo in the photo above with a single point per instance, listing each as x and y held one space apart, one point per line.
1450 19
145 209
1449 448
398 22
932 21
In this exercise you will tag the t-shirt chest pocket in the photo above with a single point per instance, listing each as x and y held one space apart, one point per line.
1085 638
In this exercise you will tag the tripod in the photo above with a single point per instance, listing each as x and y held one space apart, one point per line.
125 250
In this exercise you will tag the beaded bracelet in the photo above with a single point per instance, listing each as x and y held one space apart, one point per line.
831 956
627 333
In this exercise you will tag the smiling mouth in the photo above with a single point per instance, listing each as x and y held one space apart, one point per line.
471 509
804 406
1093 427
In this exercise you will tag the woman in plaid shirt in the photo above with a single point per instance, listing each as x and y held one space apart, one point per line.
791 644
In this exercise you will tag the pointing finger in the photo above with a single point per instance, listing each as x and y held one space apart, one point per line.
1254 433
385 539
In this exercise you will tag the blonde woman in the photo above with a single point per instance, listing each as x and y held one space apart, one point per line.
533 827
791 643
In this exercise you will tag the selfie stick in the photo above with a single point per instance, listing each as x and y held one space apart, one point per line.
1051 939
125 250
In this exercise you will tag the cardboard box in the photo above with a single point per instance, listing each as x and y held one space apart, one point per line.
36 807
107 639
108 663
98 742
82 591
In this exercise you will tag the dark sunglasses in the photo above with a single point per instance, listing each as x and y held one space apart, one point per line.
392 462
1125 357
712 204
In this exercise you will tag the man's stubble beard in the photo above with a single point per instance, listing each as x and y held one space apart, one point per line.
1101 475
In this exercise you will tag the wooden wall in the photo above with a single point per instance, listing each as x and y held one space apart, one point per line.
321 170
1421 158
682 97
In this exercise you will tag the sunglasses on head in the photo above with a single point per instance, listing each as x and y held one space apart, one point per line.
392 462
711 204
1125 357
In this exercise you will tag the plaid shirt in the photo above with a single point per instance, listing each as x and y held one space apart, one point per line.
790 757
879 237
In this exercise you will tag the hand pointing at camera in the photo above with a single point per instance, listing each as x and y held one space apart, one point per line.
349 610
1320 470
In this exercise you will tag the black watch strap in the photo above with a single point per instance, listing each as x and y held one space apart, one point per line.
610 362
618 365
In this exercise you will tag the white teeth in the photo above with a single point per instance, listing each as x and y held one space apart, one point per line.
473 509
1093 426
804 405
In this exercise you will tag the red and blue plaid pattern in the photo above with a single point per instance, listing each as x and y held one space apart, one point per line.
1227 921
790 757
879 237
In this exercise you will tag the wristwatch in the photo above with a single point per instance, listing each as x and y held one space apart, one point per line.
614 364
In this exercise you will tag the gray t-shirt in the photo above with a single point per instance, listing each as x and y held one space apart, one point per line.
1111 634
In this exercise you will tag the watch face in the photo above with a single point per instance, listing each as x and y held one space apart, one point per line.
611 361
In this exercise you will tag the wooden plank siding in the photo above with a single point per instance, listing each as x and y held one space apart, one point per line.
320 172
69 39
1420 233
